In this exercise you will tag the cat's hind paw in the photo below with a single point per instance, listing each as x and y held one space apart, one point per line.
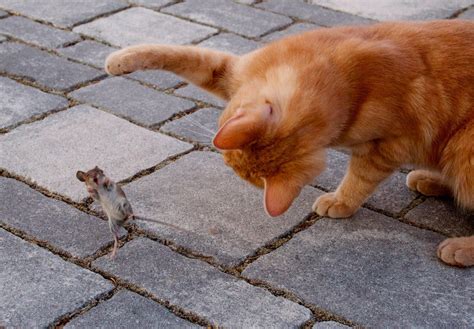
426 183
457 251
328 205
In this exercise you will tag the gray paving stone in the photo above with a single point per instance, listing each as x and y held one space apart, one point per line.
19 102
3 14
50 151
191 91
63 13
2 38
468 14
396 10
158 79
43 35
316 14
140 311
372 270
246 2
140 25
232 16
392 195
131 100
200 288
443 216
219 214
51 220
153 4
46 69
88 51
38 286
329 325
231 43
293 29
190 126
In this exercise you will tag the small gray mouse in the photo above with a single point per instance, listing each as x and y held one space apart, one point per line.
113 201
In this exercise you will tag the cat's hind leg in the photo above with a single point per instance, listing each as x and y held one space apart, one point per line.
427 182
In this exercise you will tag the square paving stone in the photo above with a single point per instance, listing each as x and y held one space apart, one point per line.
88 51
51 220
191 91
46 69
468 14
293 29
316 14
158 79
197 287
50 151
199 126
230 43
218 213
442 216
131 100
372 270
63 13
140 25
129 310
38 287
19 102
43 35
391 195
229 15
397 10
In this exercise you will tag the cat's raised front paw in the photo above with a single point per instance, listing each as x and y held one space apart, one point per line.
457 251
122 62
328 205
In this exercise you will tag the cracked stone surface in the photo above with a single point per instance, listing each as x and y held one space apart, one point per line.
36 33
38 286
373 270
19 102
140 25
79 139
131 100
224 219
140 311
221 298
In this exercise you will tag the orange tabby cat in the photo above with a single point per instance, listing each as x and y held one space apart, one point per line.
392 93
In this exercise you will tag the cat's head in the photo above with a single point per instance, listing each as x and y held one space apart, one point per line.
271 140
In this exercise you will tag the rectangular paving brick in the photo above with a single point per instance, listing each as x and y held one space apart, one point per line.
132 100
50 151
140 312
391 195
63 13
200 288
19 102
38 287
220 215
372 270
229 15
51 220
156 78
396 10
293 29
140 25
153 4
191 91
468 14
89 52
46 69
231 43
316 14
200 126
442 216
40 34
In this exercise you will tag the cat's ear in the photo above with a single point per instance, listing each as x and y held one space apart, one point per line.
242 128
279 194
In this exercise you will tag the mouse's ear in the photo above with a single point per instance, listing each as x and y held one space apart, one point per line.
81 176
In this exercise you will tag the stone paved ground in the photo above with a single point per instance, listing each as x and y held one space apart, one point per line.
228 264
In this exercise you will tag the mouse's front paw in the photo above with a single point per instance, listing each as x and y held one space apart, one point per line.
122 62
329 205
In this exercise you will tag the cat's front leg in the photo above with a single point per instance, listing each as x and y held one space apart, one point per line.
363 176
